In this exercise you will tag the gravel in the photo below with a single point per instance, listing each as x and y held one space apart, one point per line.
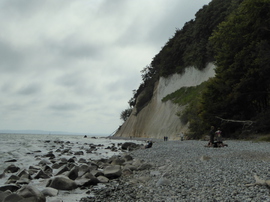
189 171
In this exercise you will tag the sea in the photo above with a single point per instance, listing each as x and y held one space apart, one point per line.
24 148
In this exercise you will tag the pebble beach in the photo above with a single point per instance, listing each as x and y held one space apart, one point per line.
189 171
85 170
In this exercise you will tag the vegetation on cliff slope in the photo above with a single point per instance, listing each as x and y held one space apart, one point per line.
189 46
236 35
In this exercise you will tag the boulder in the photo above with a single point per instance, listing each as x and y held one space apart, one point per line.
44 162
112 171
73 173
48 191
127 172
127 157
96 173
62 183
118 161
102 179
10 187
41 174
11 169
130 146
62 170
48 170
78 153
2 175
50 155
3 195
11 160
130 167
32 193
86 182
82 160
12 179
12 198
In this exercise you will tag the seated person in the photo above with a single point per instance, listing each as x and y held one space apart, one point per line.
219 142
149 144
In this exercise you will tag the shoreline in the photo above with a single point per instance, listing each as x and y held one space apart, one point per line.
169 171
188 171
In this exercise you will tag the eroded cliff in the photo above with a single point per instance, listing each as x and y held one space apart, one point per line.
159 119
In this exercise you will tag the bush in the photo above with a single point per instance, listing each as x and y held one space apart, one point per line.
125 114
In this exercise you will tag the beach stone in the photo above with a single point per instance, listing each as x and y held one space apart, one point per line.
155 173
72 160
130 167
118 161
11 160
62 183
130 146
78 153
82 160
3 195
83 169
12 198
44 162
32 193
145 166
49 191
57 165
24 174
12 179
205 158
86 181
73 173
97 173
11 169
128 157
50 155
112 171
163 181
2 175
126 172
10 187
62 169
41 174
102 179
23 181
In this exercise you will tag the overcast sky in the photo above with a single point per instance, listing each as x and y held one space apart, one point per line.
71 65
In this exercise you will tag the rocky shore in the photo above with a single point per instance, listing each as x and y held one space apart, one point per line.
188 171
169 171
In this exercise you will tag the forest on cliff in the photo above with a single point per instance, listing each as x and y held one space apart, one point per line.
235 36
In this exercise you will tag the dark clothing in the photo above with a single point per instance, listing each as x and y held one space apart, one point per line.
212 136
149 145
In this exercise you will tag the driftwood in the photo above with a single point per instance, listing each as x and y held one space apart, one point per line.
247 122
259 181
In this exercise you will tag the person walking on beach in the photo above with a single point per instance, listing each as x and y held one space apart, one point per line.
212 136
181 136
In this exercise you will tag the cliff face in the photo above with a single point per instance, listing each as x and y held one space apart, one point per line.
159 119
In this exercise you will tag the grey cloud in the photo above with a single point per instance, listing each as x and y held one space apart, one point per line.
29 89
109 8
10 58
14 107
72 47
65 106
18 10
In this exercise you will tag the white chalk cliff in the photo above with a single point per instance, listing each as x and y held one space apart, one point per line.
159 119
